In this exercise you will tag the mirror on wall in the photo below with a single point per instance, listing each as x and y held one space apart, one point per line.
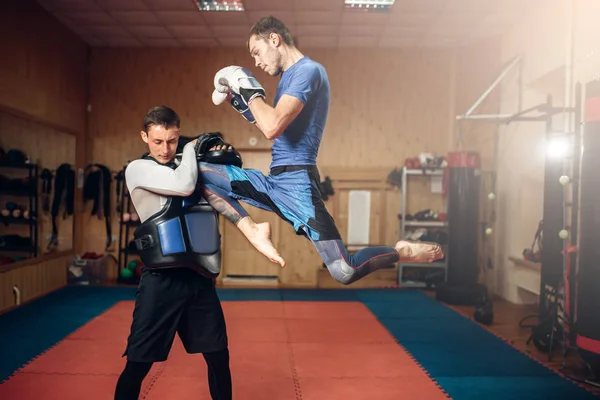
37 185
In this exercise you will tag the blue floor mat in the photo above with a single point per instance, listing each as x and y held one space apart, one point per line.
467 361
512 387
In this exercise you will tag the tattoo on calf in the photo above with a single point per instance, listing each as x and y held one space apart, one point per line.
222 206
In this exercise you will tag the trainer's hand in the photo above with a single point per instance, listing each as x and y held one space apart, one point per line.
220 147
214 148
238 80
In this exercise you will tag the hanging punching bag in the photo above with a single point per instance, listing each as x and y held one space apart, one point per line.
464 177
463 217
587 324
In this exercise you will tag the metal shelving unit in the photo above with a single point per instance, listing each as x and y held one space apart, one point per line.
407 174
31 193
126 253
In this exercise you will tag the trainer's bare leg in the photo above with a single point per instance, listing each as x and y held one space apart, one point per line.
419 252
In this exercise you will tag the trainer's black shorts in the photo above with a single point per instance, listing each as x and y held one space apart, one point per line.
175 300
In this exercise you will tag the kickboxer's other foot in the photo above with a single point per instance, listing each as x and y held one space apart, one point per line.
261 240
419 252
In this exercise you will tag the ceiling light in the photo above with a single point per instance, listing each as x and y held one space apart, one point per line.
219 5
369 5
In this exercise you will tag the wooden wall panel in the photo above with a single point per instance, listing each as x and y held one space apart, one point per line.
386 106
33 280
397 108
49 148
44 69
303 260
385 202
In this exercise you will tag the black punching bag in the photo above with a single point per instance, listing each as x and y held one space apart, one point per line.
463 218
587 324
553 222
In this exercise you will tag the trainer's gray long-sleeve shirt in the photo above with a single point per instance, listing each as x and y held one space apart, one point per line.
149 183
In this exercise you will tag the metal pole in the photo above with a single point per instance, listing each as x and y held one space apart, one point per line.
575 217
484 116
493 85
520 83
572 124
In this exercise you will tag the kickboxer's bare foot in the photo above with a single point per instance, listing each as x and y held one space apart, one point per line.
259 236
419 252
262 242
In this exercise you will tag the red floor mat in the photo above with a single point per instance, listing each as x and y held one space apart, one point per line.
73 356
187 388
244 330
279 350
47 386
337 331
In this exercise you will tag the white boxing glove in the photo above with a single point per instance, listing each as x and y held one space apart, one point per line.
239 81
236 102
219 97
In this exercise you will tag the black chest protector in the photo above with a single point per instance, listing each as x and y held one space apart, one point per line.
184 234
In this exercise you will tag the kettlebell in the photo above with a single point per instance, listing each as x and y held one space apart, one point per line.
484 313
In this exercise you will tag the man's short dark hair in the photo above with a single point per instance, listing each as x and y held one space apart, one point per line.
161 116
267 25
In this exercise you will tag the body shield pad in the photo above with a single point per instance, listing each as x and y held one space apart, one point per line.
184 234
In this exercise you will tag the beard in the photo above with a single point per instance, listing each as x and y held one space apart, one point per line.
275 62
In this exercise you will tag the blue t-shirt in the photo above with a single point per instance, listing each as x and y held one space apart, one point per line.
299 144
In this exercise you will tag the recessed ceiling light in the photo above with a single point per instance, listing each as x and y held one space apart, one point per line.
219 5
369 5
